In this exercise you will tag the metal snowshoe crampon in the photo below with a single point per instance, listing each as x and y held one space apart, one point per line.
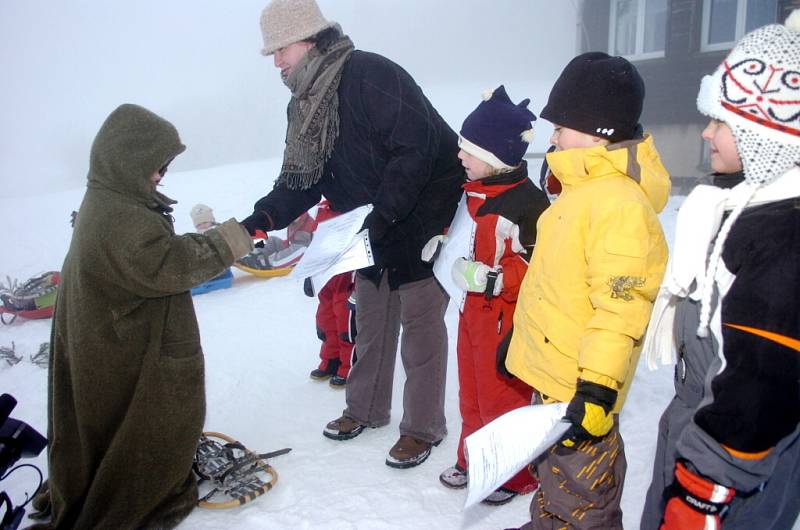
9 355
230 474
36 298
40 359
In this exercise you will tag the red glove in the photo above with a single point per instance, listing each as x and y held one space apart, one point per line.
695 503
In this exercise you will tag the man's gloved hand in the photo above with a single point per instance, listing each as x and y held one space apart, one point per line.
432 248
694 502
376 225
256 222
473 276
590 413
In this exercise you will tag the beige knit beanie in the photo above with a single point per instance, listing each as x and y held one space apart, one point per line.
286 21
202 216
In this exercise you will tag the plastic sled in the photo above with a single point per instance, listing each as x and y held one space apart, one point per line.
223 281
34 299
264 273
31 314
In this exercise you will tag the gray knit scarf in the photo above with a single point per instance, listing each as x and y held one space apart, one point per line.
313 113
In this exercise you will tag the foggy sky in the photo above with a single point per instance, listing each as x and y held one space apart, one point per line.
67 64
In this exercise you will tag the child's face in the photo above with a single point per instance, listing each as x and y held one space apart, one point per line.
288 56
722 147
476 168
565 138
155 179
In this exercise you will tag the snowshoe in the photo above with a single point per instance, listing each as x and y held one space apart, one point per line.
36 298
230 474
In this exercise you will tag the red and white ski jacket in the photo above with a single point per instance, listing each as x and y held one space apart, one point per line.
505 209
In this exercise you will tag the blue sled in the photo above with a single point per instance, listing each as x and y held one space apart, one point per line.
223 281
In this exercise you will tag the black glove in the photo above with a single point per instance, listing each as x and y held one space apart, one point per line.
502 353
590 413
308 288
376 225
256 221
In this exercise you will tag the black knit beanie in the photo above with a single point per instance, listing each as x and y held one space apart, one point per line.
599 95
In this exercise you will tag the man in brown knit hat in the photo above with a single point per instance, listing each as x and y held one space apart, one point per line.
360 131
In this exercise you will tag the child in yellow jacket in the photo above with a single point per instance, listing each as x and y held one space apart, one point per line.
586 300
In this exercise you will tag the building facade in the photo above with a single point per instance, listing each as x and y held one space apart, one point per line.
674 43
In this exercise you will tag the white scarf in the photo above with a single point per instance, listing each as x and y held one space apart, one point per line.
697 224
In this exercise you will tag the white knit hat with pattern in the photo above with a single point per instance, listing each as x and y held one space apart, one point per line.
756 91
286 21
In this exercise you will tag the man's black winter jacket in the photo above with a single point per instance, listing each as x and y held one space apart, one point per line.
394 151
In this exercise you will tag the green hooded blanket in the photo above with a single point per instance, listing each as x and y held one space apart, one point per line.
126 381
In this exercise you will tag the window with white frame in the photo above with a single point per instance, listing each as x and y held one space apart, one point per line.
727 21
638 28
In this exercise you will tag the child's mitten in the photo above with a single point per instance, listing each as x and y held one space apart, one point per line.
590 413
432 248
694 502
477 277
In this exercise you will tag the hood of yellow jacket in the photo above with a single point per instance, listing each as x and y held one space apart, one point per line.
637 159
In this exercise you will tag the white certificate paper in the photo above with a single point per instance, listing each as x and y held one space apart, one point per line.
459 244
357 255
498 450
337 246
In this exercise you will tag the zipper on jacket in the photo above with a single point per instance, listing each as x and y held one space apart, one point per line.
500 323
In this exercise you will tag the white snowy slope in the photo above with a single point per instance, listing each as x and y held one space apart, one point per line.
260 343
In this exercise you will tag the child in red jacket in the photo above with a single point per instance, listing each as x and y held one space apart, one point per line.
336 320
504 205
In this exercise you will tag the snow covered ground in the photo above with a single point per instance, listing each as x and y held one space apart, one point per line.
260 343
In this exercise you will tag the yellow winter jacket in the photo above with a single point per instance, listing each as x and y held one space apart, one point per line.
599 258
